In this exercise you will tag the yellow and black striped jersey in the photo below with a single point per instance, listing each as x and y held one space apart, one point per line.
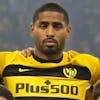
30 79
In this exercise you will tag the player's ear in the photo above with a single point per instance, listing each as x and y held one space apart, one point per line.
68 31
31 29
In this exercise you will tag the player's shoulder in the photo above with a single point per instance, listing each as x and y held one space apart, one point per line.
81 57
87 56
9 54
71 54
14 53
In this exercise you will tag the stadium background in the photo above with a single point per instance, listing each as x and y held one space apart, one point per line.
16 15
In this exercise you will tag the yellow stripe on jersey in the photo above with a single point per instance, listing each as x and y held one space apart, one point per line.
8 58
45 86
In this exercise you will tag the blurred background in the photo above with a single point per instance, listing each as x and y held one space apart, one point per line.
16 16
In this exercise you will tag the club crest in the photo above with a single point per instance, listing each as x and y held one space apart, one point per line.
69 72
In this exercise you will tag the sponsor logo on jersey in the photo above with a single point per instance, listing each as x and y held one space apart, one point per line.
48 87
23 70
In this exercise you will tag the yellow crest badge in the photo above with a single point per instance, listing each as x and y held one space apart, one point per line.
69 72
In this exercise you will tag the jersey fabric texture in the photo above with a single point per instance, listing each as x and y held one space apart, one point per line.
29 79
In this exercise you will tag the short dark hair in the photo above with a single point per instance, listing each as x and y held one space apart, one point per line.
96 91
4 92
51 7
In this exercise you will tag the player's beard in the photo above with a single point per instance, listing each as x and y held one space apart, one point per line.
51 50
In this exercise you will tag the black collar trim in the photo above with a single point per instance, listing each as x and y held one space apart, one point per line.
46 61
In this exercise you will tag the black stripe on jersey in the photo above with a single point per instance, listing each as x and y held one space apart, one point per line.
82 72
1 80
42 98
13 70
46 61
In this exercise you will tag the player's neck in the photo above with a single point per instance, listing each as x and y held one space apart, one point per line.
47 57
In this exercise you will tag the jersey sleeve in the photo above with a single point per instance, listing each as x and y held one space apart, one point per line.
91 62
2 60
5 58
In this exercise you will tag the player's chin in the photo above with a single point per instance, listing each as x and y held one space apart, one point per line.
50 50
